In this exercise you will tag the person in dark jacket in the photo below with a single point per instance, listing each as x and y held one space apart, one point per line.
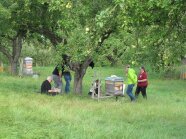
142 83
57 74
46 85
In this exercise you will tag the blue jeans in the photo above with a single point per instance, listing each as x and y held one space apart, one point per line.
67 80
129 91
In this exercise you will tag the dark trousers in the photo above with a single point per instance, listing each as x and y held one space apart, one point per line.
142 90
67 80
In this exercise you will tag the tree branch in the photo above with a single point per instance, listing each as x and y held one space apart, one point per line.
86 63
5 52
104 36
48 34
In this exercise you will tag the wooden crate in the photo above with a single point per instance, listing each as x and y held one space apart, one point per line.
114 85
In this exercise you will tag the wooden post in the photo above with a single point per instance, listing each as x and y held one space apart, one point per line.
96 84
99 86
94 78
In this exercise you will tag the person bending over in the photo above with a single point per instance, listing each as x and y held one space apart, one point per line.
46 86
56 75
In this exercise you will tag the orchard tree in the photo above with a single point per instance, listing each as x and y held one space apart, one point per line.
168 38
117 49
18 18
158 27
11 35
88 24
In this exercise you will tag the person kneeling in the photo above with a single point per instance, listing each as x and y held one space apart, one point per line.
94 88
46 87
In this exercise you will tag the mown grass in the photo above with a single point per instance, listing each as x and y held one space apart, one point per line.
26 114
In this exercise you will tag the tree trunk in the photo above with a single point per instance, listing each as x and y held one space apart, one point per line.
78 80
16 51
80 70
13 68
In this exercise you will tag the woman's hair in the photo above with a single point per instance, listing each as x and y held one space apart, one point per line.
143 68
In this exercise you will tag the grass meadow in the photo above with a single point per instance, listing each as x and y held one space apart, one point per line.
26 114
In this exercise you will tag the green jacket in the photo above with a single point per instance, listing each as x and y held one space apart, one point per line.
132 77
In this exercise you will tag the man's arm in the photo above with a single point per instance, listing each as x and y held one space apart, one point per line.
144 78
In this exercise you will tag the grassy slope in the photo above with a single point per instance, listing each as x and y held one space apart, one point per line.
27 114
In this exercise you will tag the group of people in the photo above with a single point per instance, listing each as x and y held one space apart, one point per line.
140 80
132 79
57 74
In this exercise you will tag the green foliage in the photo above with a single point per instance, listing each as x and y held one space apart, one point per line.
156 29
142 32
4 16
84 23
79 46
3 59
41 50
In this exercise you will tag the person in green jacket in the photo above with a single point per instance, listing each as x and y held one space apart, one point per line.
131 81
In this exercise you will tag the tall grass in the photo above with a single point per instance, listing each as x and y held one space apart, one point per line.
26 114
